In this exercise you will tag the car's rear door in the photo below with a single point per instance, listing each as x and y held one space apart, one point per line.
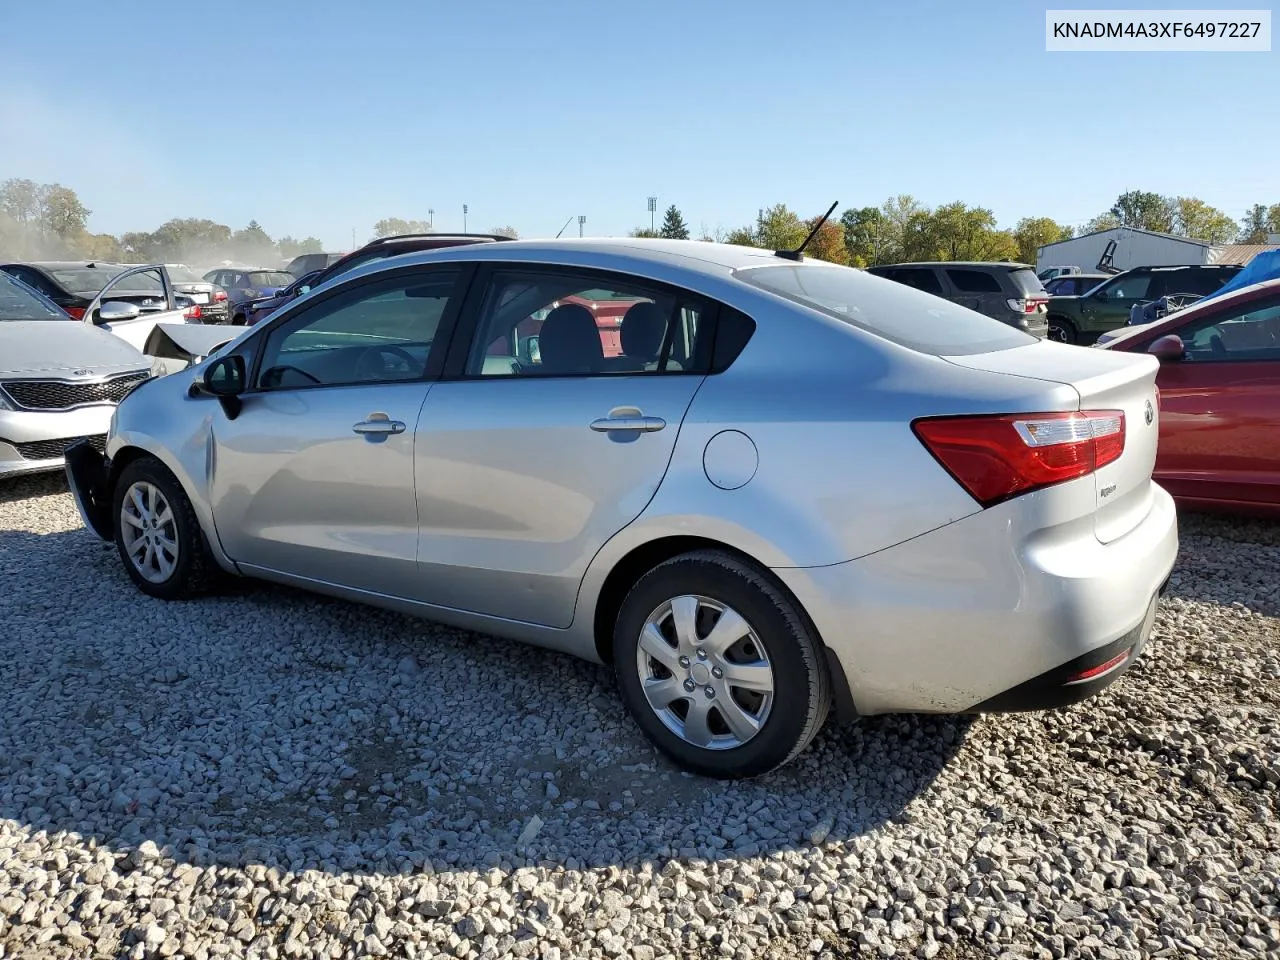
535 449
314 476
1220 407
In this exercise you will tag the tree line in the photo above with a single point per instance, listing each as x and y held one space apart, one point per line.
904 230
49 221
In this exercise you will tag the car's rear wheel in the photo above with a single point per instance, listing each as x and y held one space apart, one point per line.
157 534
1062 330
718 667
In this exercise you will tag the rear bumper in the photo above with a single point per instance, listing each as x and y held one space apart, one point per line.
988 612
87 475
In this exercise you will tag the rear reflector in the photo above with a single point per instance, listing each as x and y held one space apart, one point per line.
999 457
1101 670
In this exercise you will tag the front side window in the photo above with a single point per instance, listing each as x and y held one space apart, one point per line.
1250 333
1135 287
374 332
19 303
909 318
563 324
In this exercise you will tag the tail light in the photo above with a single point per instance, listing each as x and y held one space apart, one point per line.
1028 305
77 313
998 457
220 296
192 312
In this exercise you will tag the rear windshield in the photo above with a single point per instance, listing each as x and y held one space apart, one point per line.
85 279
180 274
910 318
1027 282
265 279
19 303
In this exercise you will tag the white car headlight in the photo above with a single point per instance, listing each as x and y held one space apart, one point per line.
4 402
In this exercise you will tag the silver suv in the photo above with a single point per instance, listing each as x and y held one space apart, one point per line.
60 380
1008 292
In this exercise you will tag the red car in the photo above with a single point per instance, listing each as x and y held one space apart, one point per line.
1219 386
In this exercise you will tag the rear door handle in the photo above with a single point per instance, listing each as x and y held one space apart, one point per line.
634 424
379 423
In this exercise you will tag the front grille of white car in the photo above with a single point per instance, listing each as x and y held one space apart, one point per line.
66 394
48 449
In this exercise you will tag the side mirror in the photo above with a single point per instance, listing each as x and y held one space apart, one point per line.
225 377
114 311
1167 349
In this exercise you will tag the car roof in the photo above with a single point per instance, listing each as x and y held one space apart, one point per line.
988 264
76 264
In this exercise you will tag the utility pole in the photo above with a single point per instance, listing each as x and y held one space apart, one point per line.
653 208
353 238
464 218
431 219
581 220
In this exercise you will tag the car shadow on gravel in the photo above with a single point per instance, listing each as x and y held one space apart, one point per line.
271 726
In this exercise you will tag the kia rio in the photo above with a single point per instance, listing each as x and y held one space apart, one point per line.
796 488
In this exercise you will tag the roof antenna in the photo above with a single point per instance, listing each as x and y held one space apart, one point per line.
562 229
798 252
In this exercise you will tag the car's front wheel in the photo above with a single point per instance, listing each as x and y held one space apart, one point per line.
157 533
718 667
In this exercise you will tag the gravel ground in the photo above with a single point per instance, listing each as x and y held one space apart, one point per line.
270 774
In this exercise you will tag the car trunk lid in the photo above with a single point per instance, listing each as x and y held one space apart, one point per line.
1105 380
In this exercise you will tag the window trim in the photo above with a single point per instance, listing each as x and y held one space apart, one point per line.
468 325
440 347
1252 306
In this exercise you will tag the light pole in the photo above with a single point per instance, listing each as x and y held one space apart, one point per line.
464 218
653 208
431 219
581 220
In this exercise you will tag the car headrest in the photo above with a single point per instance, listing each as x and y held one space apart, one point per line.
642 331
569 341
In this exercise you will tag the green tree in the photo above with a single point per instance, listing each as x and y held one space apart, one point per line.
290 248
1194 218
394 227
780 228
741 237
61 212
673 225
646 233
1253 225
1144 210
1103 221
865 232
1032 233
252 244
828 243
955 231
20 200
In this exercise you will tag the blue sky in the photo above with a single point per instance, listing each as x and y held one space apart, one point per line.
317 117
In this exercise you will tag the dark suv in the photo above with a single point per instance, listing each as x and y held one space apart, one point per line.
378 249
1009 292
1107 306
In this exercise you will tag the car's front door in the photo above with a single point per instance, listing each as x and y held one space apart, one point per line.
314 477
537 448
1109 306
1220 407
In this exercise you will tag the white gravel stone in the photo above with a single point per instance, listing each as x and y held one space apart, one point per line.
268 773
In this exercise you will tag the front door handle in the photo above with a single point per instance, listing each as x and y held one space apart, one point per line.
379 423
632 424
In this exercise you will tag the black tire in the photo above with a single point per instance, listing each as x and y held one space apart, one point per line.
194 569
1064 329
801 683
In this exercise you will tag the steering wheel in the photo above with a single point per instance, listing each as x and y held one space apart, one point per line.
365 370
273 376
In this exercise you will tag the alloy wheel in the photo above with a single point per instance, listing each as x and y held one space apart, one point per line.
149 532
705 673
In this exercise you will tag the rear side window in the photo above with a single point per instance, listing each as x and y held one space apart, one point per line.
973 281
1028 283
909 318
1202 282
920 278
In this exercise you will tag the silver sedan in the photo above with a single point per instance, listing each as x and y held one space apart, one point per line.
760 487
